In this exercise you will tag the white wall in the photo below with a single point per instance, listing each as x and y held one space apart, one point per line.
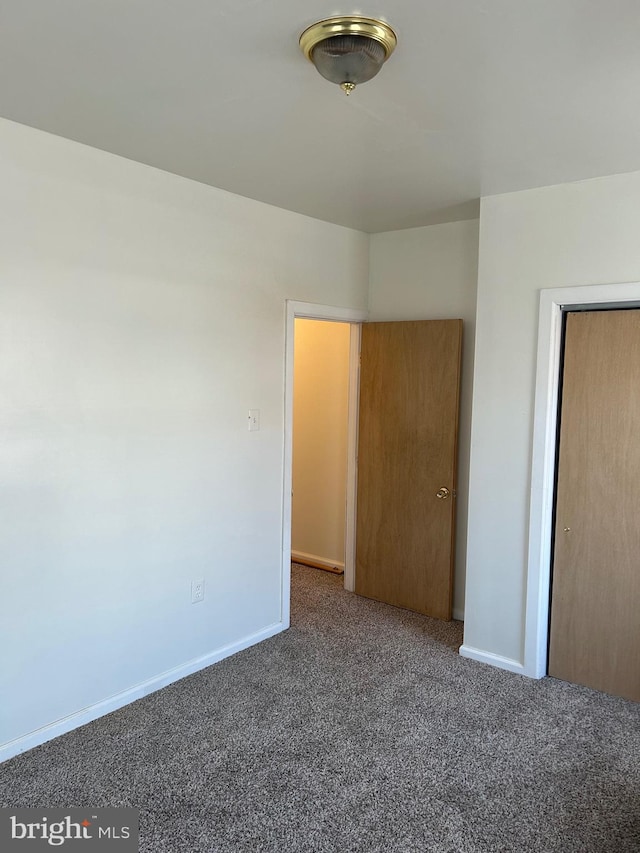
320 411
431 274
563 236
141 316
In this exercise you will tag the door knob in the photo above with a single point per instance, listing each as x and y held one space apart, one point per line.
443 493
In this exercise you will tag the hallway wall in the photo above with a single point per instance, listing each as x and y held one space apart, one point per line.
320 409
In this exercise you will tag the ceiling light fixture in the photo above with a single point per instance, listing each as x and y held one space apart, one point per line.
348 50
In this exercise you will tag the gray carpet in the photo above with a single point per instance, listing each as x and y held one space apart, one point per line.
359 729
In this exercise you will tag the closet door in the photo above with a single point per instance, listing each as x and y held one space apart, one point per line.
595 602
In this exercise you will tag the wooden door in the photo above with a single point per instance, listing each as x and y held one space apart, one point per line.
408 425
595 603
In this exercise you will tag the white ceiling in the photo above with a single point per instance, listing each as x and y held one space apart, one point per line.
480 97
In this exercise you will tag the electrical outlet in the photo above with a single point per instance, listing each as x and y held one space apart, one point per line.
197 590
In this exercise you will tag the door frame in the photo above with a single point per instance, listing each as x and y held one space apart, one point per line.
553 302
354 317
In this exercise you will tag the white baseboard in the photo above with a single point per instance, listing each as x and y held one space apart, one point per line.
302 555
106 706
458 614
493 660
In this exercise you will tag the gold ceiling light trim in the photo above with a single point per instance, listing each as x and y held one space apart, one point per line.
349 47
368 27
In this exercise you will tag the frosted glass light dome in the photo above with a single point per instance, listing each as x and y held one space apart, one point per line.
348 51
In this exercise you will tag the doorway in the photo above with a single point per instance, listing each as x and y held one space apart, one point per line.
354 317
416 362
553 302
320 433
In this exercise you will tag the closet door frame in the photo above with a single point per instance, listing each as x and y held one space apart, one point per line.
553 302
